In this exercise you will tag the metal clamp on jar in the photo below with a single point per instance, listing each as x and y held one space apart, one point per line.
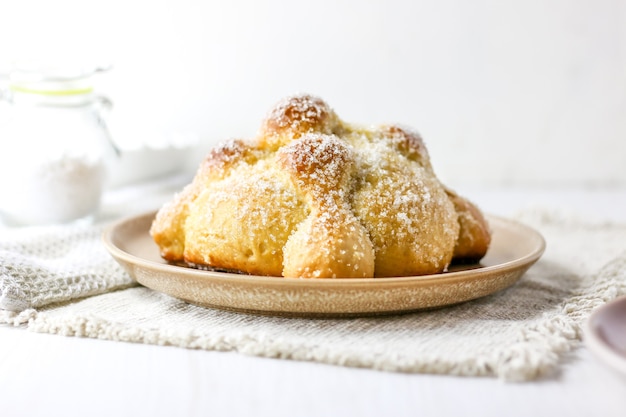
54 145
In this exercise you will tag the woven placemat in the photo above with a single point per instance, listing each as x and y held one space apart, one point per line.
61 280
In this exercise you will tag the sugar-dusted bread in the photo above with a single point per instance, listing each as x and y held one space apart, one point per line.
314 197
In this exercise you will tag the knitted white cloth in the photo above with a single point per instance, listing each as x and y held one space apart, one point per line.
43 265
517 334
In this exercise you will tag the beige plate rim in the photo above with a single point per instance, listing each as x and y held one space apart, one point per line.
488 277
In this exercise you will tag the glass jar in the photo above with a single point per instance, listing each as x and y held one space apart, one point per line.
55 148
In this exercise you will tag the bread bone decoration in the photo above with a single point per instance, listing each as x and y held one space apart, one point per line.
314 197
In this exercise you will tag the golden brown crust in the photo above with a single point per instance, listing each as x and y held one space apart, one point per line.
474 233
168 229
314 197
408 143
330 242
294 116
221 158
243 225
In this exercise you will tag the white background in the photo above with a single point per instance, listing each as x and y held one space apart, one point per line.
527 94
504 92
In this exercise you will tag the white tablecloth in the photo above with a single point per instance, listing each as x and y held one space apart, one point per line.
52 375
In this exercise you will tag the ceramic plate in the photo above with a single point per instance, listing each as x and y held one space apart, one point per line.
605 334
515 247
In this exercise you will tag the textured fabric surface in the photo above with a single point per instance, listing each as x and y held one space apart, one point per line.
517 334
42 265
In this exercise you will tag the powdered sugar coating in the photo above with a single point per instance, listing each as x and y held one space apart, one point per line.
319 163
330 242
295 116
315 197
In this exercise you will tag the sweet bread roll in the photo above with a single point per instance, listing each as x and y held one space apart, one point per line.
314 197
474 234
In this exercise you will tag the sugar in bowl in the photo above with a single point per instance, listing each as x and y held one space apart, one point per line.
55 148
